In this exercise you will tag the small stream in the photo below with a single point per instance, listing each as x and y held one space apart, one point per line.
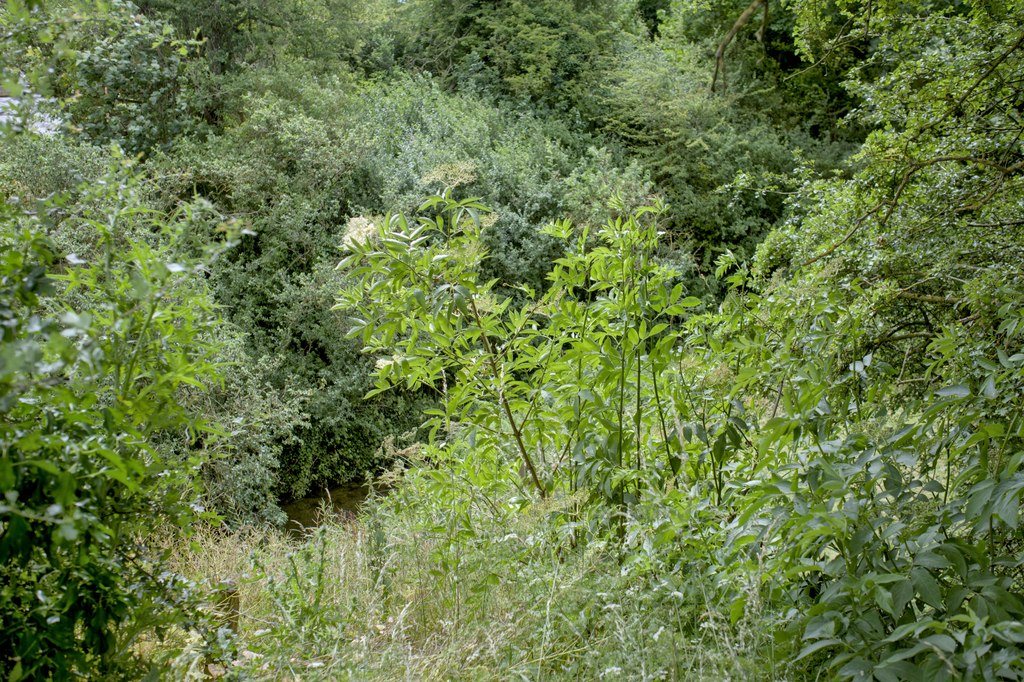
307 513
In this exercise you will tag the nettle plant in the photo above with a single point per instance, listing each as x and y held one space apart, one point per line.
570 384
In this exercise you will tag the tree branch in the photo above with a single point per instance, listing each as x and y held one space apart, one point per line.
904 182
927 298
740 23
516 432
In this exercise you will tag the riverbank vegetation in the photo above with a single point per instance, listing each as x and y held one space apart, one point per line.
685 340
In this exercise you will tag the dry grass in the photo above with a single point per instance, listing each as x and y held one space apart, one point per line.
377 599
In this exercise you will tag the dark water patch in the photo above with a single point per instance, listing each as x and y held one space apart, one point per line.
335 504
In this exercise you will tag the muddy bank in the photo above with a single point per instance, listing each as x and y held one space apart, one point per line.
308 513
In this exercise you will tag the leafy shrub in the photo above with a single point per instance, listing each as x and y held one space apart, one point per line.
33 167
323 35
848 427
240 474
277 287
127 81
540 52
695 145
889 506
386 142
882 520
90 378
566 362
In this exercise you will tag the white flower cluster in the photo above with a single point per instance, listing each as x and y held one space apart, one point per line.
359 230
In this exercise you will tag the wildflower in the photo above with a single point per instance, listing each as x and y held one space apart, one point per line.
359 230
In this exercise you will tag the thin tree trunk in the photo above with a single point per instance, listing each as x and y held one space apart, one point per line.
740 23
516 431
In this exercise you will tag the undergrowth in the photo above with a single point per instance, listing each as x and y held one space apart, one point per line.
466 586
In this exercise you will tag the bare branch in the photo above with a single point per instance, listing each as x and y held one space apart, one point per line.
927 298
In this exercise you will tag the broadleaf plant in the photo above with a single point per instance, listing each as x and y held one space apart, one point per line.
570 378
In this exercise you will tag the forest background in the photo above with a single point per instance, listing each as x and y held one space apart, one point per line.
687 338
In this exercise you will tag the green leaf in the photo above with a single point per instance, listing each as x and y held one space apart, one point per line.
930 559
817 646
683 305
902 593
884 600
897 671
927 587
42 464
737 608
957 391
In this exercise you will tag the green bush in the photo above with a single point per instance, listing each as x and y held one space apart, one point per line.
97 347
305 163
694 146
539 53
33 167
242 463
127 82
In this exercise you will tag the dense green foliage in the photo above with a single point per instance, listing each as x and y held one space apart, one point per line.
713 313
127 81
97 347
544 53
601 325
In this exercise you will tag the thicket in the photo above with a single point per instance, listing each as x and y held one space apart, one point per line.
658 321
242 111
840 442
105 326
